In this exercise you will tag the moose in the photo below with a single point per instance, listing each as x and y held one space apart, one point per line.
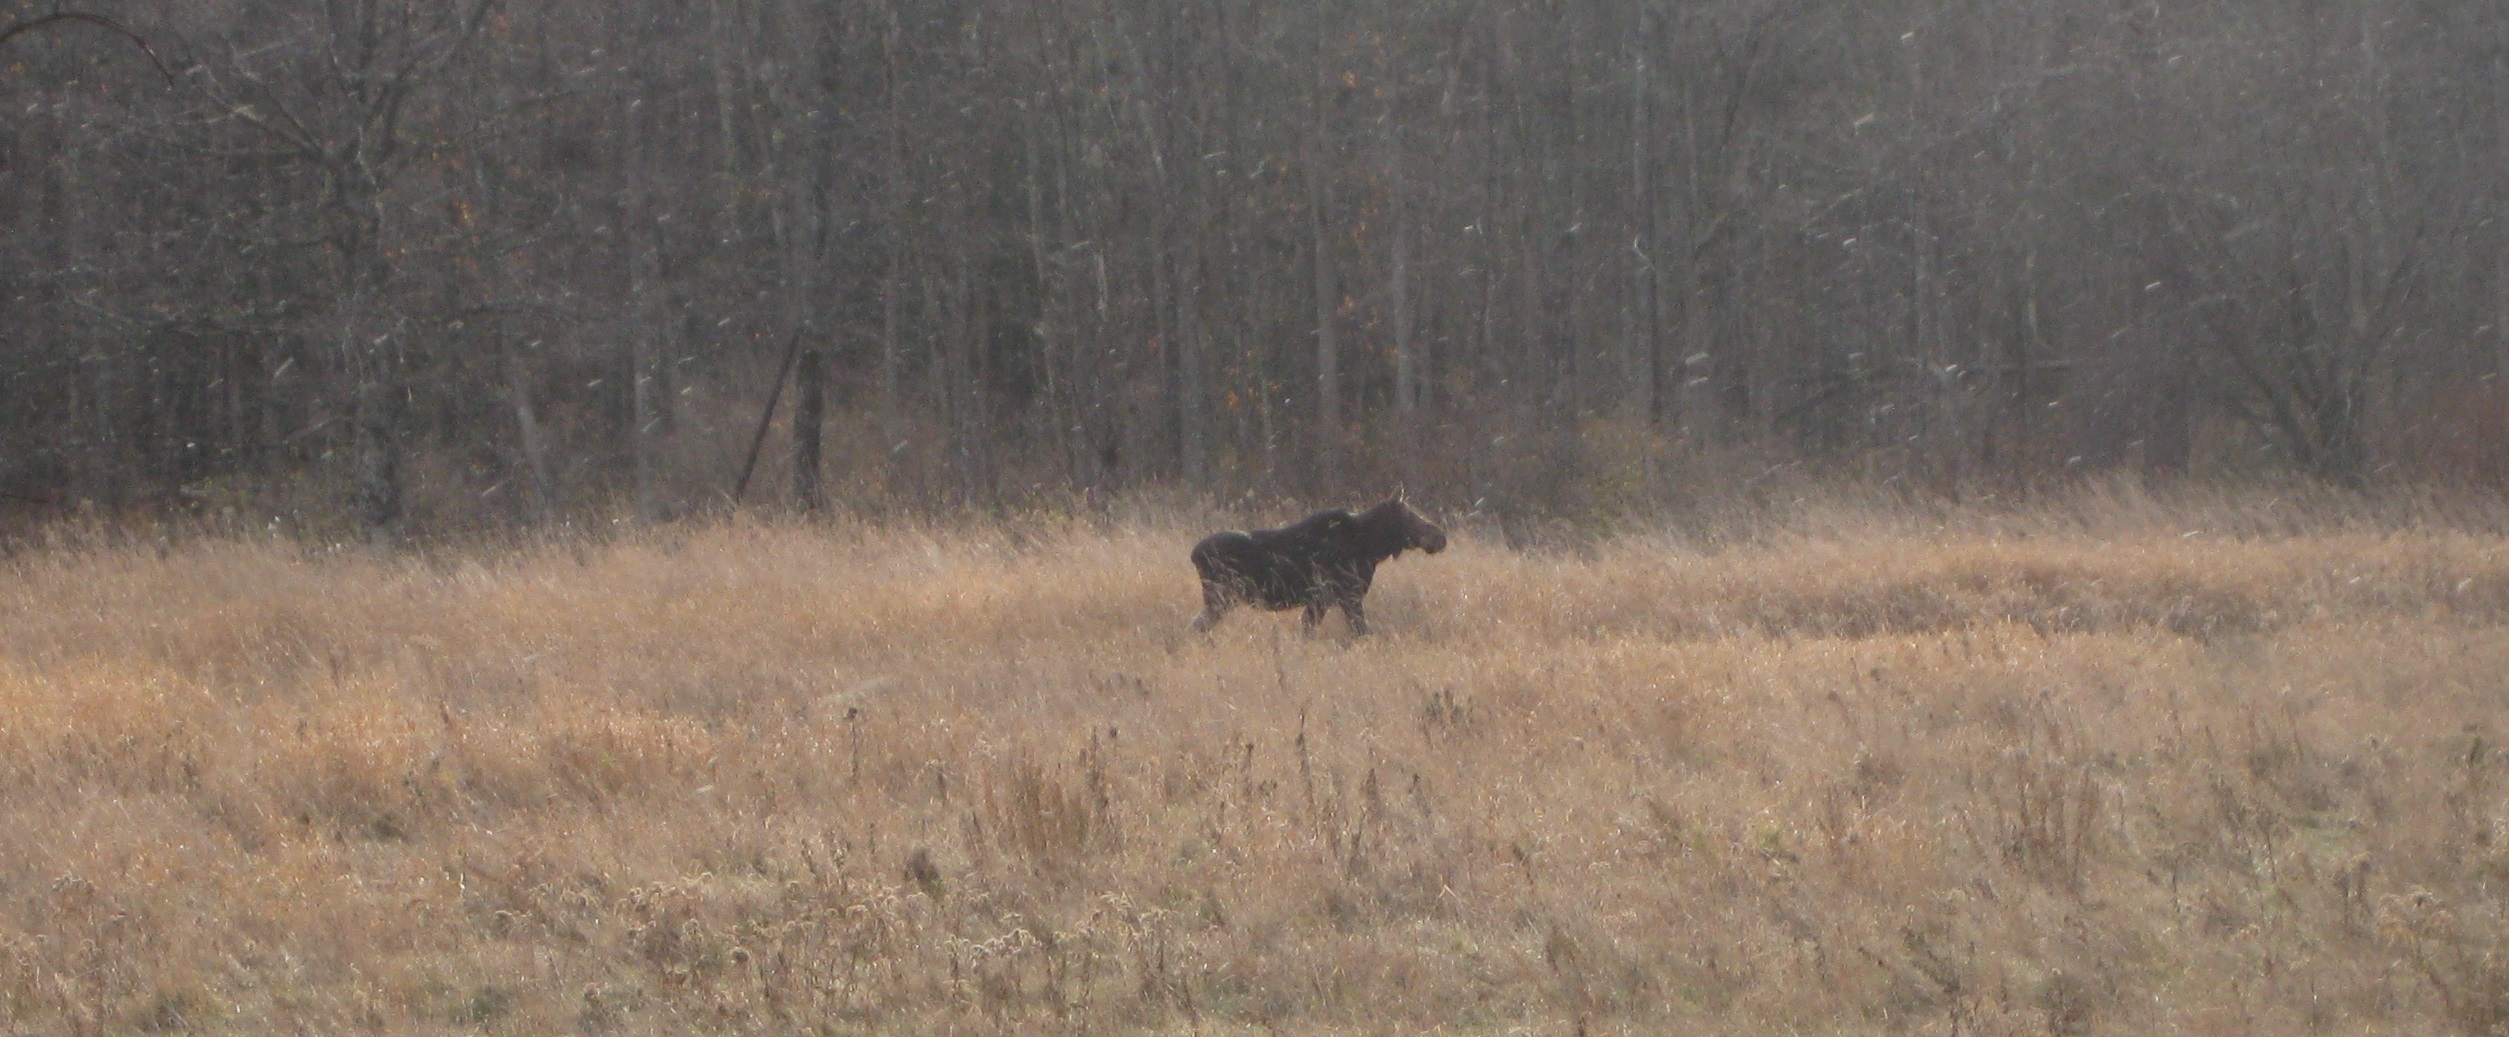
1318 562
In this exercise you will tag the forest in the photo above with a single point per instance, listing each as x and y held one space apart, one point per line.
401 266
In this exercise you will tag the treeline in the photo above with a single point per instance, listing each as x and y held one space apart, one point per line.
435 263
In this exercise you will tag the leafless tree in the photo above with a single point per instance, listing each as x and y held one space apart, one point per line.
446 264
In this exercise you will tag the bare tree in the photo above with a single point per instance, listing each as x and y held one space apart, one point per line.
419 254
335 92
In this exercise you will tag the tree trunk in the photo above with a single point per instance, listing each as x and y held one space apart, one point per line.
1406 364
1697 408
1638 344
895 191
640 235
377 446
377 395
1406 361
1328 355
721 55
538 491
809 412
1192 377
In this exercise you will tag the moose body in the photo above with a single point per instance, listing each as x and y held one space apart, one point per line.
1324 560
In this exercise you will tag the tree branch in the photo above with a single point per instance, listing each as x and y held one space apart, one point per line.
107 24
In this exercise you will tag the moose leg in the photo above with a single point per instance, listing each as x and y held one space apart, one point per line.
1315 613
1358 618
1215 603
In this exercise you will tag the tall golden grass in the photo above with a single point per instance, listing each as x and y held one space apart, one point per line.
2108 767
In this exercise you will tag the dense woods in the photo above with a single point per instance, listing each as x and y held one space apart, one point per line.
426 264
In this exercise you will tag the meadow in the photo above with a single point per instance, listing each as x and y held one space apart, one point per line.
2108 765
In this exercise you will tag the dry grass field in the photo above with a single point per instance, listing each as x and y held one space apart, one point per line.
2117 767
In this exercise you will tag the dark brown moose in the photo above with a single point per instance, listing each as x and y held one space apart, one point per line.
1323 560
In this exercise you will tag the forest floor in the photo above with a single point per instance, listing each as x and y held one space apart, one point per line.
2197 770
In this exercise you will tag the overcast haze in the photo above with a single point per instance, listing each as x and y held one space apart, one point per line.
412 266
